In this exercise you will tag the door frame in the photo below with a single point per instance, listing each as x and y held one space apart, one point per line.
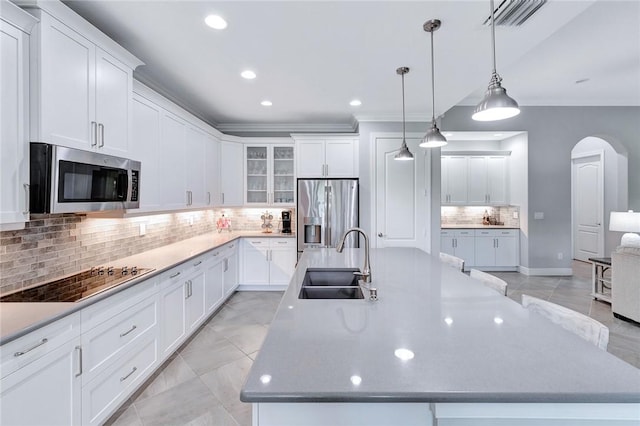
576 156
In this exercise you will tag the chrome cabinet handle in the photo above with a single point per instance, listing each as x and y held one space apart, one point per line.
174 275
208 198
222 193
225 268
197 263
128 331
42 342
79 350
27 201
216 253
133 370
94 133
101 129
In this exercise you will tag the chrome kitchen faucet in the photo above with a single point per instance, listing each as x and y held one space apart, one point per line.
366 270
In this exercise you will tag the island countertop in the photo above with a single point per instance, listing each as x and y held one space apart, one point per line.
470 344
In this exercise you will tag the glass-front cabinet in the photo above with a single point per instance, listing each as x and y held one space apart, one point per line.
269 175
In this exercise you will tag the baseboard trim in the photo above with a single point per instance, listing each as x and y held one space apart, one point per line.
546 271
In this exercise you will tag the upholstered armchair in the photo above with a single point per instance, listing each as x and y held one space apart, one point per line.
625 283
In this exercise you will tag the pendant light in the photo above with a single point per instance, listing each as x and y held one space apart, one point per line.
404 154
496 104
433 138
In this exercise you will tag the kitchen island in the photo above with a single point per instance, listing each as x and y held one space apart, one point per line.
436 348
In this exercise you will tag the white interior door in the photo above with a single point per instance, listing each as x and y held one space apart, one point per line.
587 204
398 190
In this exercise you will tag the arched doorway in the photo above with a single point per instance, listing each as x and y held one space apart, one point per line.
599 185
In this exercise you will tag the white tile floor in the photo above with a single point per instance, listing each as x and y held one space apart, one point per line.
201 383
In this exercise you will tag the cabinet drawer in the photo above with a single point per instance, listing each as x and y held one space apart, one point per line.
457 233
109 339
102 395
258 242
173 275
496 232
282 242
26 349
106 309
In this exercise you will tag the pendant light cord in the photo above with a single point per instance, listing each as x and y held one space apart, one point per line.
493 37
433 84
403 132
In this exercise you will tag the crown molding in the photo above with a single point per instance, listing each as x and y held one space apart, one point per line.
288 127
414 118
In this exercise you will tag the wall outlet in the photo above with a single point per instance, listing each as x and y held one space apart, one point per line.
538 215
143 228
191 221
560 256
515 215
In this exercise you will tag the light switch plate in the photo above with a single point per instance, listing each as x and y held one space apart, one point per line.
538 215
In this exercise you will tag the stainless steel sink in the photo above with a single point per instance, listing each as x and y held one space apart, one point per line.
330 283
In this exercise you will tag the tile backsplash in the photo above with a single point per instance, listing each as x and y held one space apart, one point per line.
53 246
472 215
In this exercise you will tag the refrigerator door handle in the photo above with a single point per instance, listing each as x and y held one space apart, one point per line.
328 195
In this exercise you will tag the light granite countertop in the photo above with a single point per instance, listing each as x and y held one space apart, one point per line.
18 319
470 344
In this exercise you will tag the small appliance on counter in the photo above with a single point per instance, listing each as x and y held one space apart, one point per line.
223 223
286 222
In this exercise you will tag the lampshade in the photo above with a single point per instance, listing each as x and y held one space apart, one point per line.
628 222
404 154
433 138
496 104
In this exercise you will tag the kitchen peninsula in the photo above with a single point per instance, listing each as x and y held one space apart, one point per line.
436 345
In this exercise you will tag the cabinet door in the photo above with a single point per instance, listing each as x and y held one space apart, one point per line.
195 301
146 148
14 143
447 245
465 248
282 261
497 180
456 171
113 104
257 175
173 317
282 166
231 174
67 87
341 158
172 162
255 261
507 251
485 251
45 391
212 170
230 273
310 159
477 180
213 291
195 167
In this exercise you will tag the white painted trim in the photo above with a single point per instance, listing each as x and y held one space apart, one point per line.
250 287
288 127
412 117
575 156
556 272
311 136
16 17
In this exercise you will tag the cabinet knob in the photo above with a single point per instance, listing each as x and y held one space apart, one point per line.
380 234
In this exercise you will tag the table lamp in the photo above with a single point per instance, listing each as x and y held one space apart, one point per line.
628 222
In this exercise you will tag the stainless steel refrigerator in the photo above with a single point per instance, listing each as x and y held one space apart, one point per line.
326 209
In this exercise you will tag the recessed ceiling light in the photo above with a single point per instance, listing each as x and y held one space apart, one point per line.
216 22
498 320
248 74
404 354
448 320
355 102
266 103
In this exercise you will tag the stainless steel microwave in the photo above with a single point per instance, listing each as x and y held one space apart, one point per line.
67 180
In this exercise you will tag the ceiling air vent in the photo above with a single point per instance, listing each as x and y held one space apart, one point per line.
512 13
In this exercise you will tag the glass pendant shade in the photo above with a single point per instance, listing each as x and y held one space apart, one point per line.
496 104
404 154
433 138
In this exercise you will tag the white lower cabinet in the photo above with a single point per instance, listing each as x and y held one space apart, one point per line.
459 243
497 248
214 282
268 261
172 311
41 376
230 268
194 298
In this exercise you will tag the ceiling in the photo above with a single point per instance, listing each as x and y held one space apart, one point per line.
313 57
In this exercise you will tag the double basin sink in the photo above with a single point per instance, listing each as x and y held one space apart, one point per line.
330 283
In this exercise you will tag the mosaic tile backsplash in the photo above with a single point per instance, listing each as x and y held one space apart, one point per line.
472 215
53 246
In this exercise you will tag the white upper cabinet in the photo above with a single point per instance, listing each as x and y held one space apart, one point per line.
474 180
15 25
269 175
231 174
173 165
81 83
319 156
196 165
